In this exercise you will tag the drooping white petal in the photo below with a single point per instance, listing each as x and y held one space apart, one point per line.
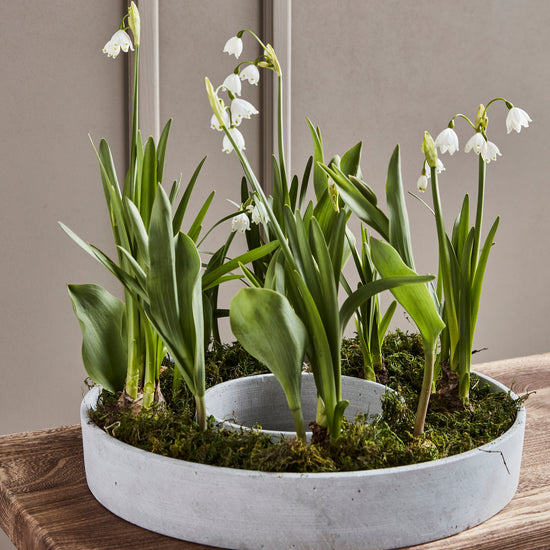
240 108
476 142
215 123
234 46
490 152
240 223
119 41
422 183
439 167
256 216
250 73
233 84
237 137
517 118
447 140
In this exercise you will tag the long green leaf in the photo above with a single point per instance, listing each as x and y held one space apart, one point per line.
359 205
161 150
477 282
101 318
320 180
148 183
351 159
184 202
416 299
305 183
268 328
399 230
245 258
364 292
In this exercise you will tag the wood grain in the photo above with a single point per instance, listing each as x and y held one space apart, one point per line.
45 503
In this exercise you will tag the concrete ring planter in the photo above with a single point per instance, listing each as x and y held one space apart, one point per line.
241 403
241 509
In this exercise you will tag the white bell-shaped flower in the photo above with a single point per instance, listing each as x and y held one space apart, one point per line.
240 108
237 137
490 152
119 41
250 73
234 46
517 118
422 183
447 140
439 167
476 142
215 123
240 223
232 83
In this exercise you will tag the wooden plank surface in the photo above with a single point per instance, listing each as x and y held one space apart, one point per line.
45 503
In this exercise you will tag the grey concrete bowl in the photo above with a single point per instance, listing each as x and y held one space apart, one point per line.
241 509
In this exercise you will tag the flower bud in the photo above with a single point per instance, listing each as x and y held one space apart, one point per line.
215 104
134 22
429 150
481 119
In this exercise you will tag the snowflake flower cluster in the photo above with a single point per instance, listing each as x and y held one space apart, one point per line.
447 140
233 115
254 212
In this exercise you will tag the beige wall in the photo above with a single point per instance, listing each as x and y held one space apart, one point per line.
381 71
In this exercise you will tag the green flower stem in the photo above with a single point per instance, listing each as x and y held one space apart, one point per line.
135 129
133 372
201 411
258 189
150 374
424 398
445 271
240 35
298 417
479 211
280 138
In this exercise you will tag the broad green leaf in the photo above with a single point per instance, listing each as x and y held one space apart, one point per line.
268 328
416 299
364 189
101 318
173 276
318 347
399 231
327 303
189 287
350 161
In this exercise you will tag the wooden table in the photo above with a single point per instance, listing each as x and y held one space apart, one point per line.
45 503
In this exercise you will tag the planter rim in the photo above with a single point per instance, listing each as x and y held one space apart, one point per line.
229 423
90 399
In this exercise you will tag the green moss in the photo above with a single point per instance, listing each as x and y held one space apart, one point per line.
169 430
